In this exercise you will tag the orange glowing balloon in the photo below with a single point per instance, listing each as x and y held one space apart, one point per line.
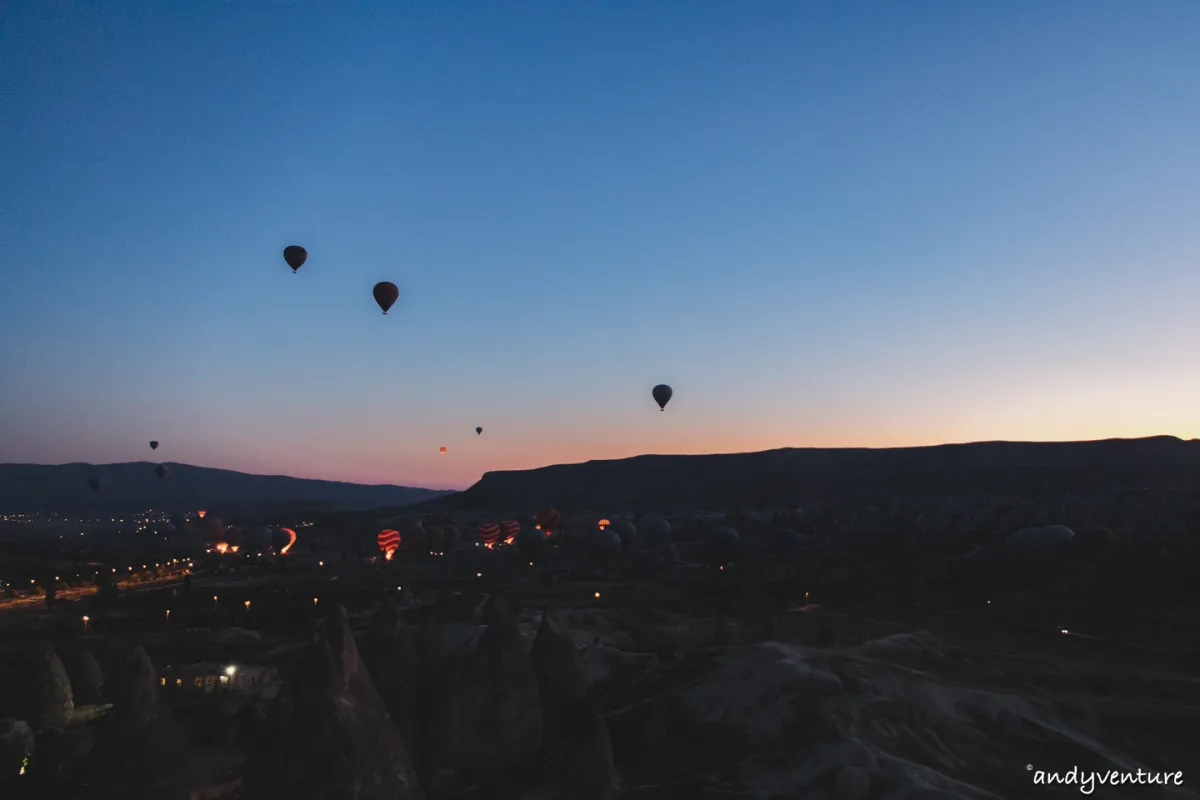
291 541
201 514
442 450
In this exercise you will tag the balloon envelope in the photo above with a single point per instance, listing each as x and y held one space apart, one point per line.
662 395
489 533
295 256
154 445
161 470
478 431
386 294
94 484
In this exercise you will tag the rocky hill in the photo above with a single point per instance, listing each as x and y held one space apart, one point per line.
853 475
63 488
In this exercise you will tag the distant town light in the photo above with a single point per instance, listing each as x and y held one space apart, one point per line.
597 595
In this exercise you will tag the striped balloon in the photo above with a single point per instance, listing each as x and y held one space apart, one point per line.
489 533
388 541
511 529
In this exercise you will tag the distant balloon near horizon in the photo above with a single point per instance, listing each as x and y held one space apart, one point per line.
295 256
478 431
154 445
161 471
386 293
662 395
94 483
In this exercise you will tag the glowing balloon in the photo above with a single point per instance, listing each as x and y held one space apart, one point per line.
388 541
489 533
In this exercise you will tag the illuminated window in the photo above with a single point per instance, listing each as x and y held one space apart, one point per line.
224 679
162 681
179 681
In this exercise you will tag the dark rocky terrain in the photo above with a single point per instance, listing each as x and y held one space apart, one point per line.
1161 464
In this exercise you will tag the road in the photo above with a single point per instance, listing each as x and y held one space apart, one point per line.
80 592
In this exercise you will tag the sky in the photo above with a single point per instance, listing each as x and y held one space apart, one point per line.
823 223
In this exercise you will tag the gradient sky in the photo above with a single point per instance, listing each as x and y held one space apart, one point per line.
824 223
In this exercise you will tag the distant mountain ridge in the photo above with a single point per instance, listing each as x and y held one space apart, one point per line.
128 487
795 475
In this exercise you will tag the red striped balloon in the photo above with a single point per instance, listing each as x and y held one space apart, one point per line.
388 540
489 533
511 529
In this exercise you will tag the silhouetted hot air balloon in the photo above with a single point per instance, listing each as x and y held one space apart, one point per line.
662 395
161 471
489 533
295 256
154 445
478 431
94 483
385 293
511 529
442 450
388 541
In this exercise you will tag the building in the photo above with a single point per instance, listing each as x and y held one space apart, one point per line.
212 676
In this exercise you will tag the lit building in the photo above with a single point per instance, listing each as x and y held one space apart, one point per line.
213 676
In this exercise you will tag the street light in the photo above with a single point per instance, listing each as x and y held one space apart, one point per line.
86 620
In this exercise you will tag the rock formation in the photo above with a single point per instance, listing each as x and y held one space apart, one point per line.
329 736
576 747
140 752
485 715
391 659
87 679
55 703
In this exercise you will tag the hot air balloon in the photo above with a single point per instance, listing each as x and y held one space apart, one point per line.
442 450
489 533
291 541
478 430
385 293
450 537
295 256
154 445
605 543
94 483
511 529
656 531
201 513
662 395
548 519
161 471
627 532
723 544
388 541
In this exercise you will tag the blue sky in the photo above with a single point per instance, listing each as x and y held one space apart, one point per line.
862 224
